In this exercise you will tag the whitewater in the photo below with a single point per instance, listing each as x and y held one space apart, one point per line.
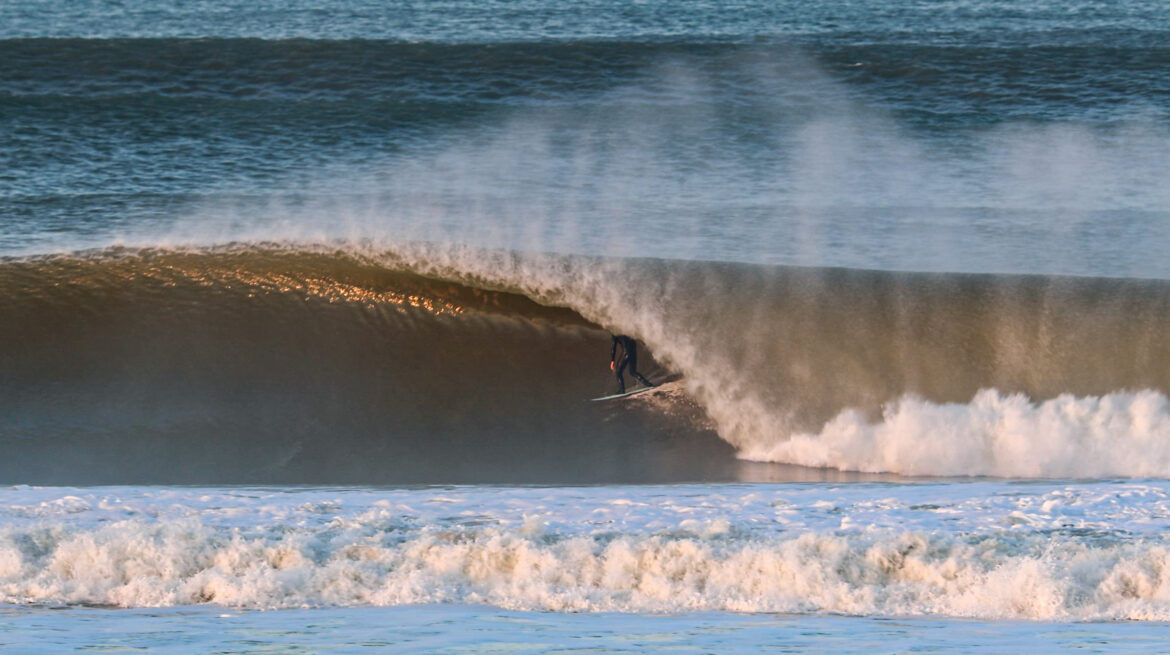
302 307
986 550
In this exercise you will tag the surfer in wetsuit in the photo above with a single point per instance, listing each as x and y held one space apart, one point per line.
629 358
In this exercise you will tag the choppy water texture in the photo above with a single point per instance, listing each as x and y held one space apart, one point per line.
977 137
894 251
1088 551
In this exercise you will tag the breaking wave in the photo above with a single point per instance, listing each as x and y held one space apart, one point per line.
1007 551
139 564
422 363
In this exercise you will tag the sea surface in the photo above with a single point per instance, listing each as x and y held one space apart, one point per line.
302 306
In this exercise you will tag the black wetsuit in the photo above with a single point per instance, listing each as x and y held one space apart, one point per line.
629 358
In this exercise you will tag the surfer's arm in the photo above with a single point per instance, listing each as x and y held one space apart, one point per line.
613 352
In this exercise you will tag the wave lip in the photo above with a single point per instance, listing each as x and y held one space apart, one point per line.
303 363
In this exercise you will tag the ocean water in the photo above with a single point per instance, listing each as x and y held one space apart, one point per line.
303 305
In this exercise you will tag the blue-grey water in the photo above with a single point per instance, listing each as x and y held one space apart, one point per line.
382 244
971 135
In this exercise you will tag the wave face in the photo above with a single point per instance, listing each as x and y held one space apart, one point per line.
299 366
441 364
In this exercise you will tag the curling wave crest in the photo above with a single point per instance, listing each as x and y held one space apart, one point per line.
423 363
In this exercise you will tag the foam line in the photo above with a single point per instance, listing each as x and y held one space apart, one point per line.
1118 434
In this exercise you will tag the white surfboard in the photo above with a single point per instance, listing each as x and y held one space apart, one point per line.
624 395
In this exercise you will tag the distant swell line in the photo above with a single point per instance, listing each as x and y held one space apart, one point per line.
246 68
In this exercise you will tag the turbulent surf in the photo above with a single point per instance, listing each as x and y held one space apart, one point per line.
303 305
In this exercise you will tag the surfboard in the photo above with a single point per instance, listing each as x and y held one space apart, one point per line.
624 395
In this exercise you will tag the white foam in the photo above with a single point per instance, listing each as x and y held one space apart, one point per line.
988 550
1124 434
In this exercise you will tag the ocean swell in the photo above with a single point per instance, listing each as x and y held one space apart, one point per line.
425 363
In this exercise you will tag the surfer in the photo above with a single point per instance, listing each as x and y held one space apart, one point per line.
629 358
